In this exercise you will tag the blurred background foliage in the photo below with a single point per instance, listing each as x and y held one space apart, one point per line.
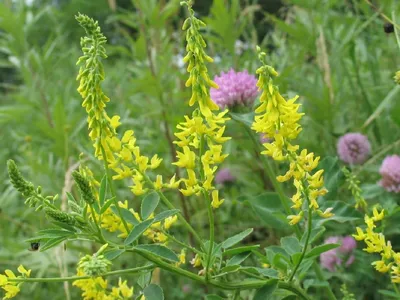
333 53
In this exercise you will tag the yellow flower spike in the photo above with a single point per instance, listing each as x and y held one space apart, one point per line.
115 123
11 291
182 257
126 155
370 222
10 274
173 183
3 280
216 202
376 215
126 292
327 213
155 162
161 237
158 184
294 219
196 261
381 266
168 222
23 271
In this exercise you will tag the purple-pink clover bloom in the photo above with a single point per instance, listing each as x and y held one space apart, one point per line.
390 171
334 258
235 88
224 176
353 148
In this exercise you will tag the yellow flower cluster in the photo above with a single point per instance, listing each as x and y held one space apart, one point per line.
376 243
96 288
200 136
277 119
122 155
113 223
10 287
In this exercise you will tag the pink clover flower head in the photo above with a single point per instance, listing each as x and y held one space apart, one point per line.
335 257
348 245
390 171
353 148
224 175
235 88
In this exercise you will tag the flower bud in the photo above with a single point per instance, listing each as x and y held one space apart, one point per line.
84 187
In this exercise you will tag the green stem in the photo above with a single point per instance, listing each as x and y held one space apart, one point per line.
396 289
212 233
254 284
112 188
174 239
303 253
97 224
73 278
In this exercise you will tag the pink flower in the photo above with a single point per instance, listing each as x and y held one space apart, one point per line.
224 176
335 257
235 88
390 171
348 244
353 148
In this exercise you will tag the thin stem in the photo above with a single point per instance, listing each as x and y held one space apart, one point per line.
303 253
73 278
174 239
97 224
396 289
212 233
254 284
112 188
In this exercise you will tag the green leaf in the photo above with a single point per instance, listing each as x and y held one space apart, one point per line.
106 205
153 292
137 231
290 244
126 214
71 197
267 272
388 293
268 208
238 259
267 290
165 214
316 251
238 250
295 258
113 254
52 243
227 270
229 242
65 226
246 119
149 204
333 176
159 250
103 190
